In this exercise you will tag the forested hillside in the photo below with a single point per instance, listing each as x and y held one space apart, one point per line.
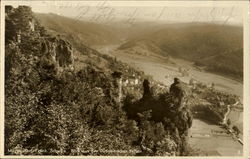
217 48
63 98
92 33
88 32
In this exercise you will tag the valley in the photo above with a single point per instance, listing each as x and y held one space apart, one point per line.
202 134
77 87
165 49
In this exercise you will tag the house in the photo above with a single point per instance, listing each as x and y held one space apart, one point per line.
221 103
125 82
19 36
136 81
131 81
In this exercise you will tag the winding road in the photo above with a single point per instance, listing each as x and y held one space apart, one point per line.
202 134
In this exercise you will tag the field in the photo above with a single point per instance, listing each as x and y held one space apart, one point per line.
62 97
203 136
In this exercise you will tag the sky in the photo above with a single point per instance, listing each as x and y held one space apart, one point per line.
105 11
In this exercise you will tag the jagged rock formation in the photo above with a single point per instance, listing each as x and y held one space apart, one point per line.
59 52
25 35
53 109
174 115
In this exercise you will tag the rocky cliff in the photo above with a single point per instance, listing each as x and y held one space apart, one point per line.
59 52
25 35
53 109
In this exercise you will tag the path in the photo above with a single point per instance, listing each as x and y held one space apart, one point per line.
202 133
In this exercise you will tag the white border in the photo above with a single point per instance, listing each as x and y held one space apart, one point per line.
2 81
246 99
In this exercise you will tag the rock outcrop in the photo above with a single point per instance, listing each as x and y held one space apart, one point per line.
52 110
59 52
166 109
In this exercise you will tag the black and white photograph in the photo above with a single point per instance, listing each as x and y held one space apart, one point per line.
123 78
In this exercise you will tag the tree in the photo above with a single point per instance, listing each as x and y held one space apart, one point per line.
236 130
228 122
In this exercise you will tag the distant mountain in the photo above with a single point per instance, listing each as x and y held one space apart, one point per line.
63 98
218 48
87 32
93 34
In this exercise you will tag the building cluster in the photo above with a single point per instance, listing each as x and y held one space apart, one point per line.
183 71
132 81
135 82
194 84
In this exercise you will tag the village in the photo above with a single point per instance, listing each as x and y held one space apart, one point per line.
131 81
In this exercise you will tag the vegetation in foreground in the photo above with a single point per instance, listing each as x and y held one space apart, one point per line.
51 108
55 107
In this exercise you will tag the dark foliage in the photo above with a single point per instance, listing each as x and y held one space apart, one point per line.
164 111
53 110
